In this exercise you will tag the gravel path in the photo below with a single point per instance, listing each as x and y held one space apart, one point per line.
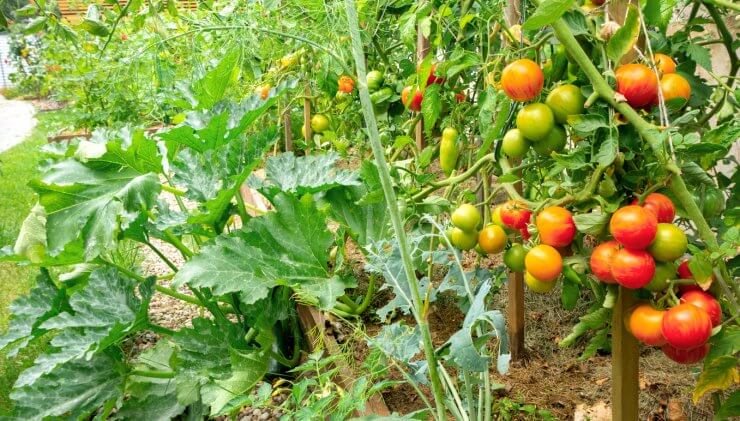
16 122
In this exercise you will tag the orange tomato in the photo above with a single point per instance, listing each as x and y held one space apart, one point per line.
674 86
515 214
492 239
601 261
522 80
263 91
346 84
556 227
645 323
665 64
544 262
637 83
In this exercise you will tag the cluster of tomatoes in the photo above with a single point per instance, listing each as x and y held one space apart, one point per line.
412 96
538 125
642 254
640 86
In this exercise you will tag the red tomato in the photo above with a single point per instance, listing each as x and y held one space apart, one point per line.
346 84
665 64
544 263
686 356
685 273
124 37
637 83
601 261
522 80
415 103
633 227
645 323
515 214
674 86
556 227
660 205
432 78
525 233
460 96
686 326
632 268
706 302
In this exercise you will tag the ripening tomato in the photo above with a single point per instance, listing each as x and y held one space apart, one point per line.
263 91
496 218
556 227
319 123
633 227
433 77
645 323
414 104
601 261
535 121
538 286
522 80
466 217
669 244
544 262
514 257
632 268
660 205
124 37
664 272
346 84
686 326
524 231
706 302
374 79
460 97
463 239
515 214
637 83
514 145
686 356
665 64
565 100
675 86
492 239
683 270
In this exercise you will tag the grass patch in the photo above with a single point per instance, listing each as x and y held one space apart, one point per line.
18 166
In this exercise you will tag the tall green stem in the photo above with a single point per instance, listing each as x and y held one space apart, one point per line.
390 198
652 136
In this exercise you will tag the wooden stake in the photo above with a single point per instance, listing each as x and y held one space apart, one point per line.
625 362
288 131
422 49
307 116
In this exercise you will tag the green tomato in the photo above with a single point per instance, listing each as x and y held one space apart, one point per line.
535 121
463 239
669 244
374 80
664 272
713 203
514 257
466 217
553 142
448 150
565 100
514 145
319 123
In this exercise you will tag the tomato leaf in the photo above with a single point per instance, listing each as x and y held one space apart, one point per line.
569 294
719 374
608 150
587 124
651 12
700 55
730 408
211 88
547 12
726 342
592 223
624 39
701 270
431 107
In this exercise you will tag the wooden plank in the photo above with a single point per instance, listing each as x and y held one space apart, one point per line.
287 131
625 362
422 49
313 323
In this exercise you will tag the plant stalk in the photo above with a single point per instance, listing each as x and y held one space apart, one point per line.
390 198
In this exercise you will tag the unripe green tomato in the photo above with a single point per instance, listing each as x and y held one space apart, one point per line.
514 257
554 141
514 145
463 240
713 203
669 244
535 121
565 100
374 80
448 150
319 123
466 217
664 272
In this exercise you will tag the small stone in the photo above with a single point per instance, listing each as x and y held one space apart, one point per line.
264 416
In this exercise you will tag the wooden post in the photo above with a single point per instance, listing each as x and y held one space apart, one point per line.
288 131
515 304
422 49
625 362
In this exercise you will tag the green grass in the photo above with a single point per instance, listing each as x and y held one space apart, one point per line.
17 167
